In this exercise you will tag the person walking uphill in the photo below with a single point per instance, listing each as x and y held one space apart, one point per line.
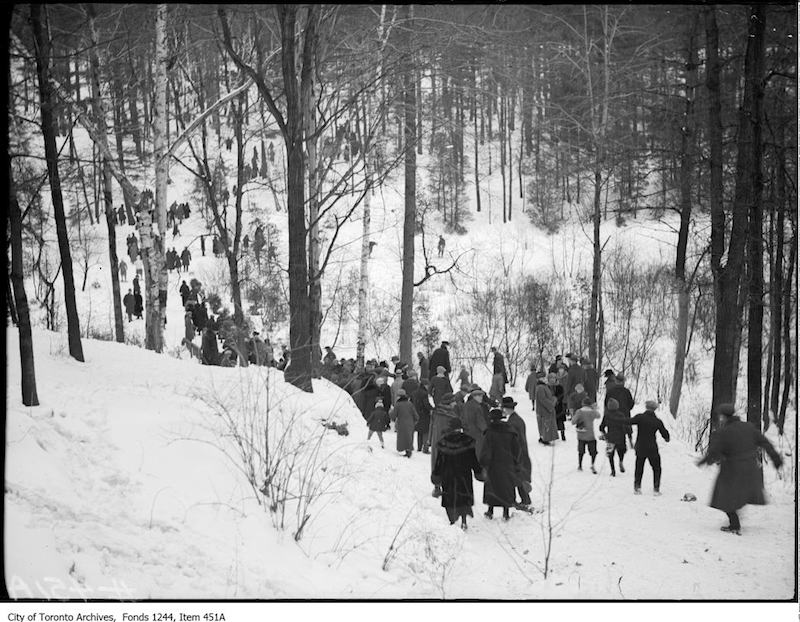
472 416
406 418
523 483
615 427
499 376
422 404
440 424
583 420
500 456
440 385
440 356
545 410
456 463
740 481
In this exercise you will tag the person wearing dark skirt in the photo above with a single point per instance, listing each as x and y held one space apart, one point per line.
456 463
500 456
735 445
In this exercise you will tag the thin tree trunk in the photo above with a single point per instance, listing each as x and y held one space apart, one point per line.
686 171
777 275
100 119
787 337
30 396
232 250
475 128
42 48
363 285
409 221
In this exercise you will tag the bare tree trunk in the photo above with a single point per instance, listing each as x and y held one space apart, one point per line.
755 330
363 284
475 128
596 269
787 337
156 312
42 48
410 103
30 396
232 250
100 119
777 275
686 171
726 280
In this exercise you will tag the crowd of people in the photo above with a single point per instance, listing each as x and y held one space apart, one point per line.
474 435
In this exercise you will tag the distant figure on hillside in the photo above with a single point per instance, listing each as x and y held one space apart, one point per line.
138 307
136 288
175 231
246 243
184 291
424 371
258 243
123 270
329 360
130 305
371 246
203 245
499 376
216 246
186 257
440 356
121 217
210 351
740 480
441 246
271 153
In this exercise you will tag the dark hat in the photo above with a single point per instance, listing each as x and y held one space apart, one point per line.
465 387
540 374
726 409
584 360
651 405
445 343
570 356
613 404
448 398
558 356
609 372
475 390
326 347
508 402
495 414
454 423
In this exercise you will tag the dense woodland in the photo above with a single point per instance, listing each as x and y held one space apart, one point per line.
631 112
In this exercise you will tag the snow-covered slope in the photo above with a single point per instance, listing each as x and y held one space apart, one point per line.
117 486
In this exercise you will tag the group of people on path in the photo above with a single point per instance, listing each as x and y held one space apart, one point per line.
471 434
175 261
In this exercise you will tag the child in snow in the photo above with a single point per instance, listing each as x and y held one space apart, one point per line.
378 421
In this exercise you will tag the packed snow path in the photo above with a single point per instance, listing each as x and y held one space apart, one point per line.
116 488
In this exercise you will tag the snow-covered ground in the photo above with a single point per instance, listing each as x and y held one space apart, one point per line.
118 485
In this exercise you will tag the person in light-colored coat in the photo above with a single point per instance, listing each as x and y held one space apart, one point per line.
545 411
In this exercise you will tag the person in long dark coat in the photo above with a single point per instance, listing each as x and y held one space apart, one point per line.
618 392
440 418
368 394
424 368
186 258
123 270
456 463
184 292
575 375
422 403
138 305
518 425
740 481
200 317
136 287
210 350
472 416
546 409
188 325
130 305
440 356
440 385
590 380
499 375
646 446
530 386
406 418
500 455
557 389
615 427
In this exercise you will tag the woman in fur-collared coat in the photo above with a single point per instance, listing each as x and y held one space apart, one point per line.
456 463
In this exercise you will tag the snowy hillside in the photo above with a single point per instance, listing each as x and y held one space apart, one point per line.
119 481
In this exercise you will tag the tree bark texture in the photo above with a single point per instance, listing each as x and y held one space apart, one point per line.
47 101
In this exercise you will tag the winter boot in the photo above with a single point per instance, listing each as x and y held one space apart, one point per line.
506 515
437 491
489 513
563 437
637 491
621 467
